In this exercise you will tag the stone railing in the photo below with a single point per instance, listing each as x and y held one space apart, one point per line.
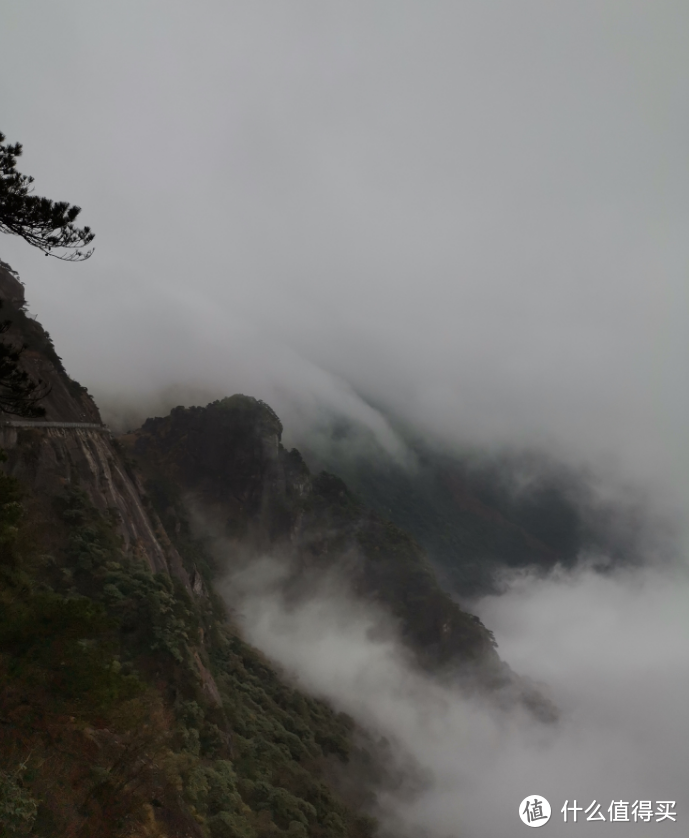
41 423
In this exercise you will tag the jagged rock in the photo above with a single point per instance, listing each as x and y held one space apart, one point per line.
228 461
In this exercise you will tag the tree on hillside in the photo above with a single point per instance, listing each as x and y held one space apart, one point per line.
19 393
45 224
49 226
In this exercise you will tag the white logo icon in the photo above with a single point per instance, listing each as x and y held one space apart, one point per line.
534 810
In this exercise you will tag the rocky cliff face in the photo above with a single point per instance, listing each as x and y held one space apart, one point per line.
224 465
52 453
130 705
229 463
228 459
67 401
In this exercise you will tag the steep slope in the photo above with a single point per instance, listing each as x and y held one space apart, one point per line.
228 461
129 703
225 466
48 454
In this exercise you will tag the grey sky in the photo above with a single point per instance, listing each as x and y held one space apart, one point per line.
471 213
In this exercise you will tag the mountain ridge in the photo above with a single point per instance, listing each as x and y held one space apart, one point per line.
130 704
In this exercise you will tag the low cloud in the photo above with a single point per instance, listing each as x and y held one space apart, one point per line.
611 651
470 215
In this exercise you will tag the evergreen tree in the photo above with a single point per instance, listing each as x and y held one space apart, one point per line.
19 394
45 224
49 226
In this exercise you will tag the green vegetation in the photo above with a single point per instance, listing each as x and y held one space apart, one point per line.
19 395
17 807
105 725
49 226
229 457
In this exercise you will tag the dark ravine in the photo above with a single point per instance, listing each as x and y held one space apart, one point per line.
478 513
130 705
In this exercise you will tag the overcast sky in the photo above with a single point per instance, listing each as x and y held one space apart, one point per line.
473 214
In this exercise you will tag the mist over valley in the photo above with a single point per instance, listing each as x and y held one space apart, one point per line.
344 487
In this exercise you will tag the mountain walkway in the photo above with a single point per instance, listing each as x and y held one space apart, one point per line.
38 423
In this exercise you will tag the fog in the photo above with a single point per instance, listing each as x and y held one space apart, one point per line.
469 217
611 652
472 215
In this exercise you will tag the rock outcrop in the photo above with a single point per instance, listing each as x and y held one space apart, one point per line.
227 461
47 455
130 704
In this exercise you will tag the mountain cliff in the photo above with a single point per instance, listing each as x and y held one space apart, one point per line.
227 460
47 455
130 704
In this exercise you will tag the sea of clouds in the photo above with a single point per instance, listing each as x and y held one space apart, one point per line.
611 650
